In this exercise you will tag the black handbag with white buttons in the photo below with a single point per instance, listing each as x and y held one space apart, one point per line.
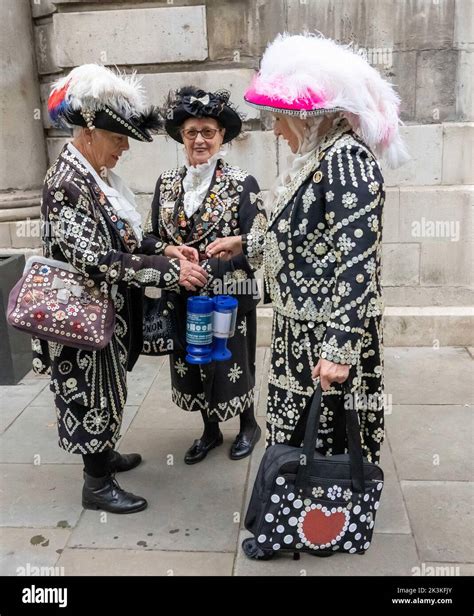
303 501
164 324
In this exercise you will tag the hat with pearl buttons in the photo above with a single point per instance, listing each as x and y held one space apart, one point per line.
94 96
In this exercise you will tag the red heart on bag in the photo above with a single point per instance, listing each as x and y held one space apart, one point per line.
320 528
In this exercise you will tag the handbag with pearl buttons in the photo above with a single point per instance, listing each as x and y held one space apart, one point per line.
303 501
52 301
163 324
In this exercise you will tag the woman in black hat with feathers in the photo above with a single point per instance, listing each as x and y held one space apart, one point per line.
91 224
192 206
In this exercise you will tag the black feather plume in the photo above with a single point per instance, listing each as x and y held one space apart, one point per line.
150 120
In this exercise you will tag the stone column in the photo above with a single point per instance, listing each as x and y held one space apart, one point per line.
22 143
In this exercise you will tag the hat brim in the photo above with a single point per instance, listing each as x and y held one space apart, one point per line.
298 113
227 118
108 119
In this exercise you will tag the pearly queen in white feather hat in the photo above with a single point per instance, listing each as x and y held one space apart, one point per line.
307 75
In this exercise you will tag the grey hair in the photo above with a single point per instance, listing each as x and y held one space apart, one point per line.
77 131
306 132
297 128
310 132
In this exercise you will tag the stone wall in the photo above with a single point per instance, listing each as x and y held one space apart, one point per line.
425 47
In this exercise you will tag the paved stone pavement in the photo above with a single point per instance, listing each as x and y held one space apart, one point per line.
194 522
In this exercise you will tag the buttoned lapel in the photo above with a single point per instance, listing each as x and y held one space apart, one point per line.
208 216
285 198
121 227
213 207
312 164
170 196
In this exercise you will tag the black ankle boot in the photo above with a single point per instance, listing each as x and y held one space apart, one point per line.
119 463
105 493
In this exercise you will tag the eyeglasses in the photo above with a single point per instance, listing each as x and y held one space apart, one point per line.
207 133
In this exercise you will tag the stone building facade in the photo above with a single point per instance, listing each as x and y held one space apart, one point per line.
425 47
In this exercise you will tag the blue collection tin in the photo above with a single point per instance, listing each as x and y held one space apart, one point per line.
224 319
199 330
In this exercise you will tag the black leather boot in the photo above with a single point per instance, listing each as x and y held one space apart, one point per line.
105 493
119 463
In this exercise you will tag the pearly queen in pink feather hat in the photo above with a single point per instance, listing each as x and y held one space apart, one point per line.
308 75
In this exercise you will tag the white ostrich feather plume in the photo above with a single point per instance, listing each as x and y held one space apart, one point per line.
295 65
91 86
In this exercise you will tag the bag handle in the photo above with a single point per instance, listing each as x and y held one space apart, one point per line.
219 265
46 236
221 270
311 435
309 440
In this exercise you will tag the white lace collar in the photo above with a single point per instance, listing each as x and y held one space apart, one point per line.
197 180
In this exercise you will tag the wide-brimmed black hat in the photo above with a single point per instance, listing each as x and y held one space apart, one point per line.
97 97
192 102
137 127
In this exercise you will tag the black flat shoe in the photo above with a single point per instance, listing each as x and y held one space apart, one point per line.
243 445
199 449
253 551
104 493
119 463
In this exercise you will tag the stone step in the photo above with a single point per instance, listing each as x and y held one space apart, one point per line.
406 326
20 235
18 205
19 219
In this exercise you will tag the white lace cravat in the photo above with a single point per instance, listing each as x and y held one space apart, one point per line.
196 182
117 192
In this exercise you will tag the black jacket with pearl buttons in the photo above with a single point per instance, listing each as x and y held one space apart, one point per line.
322 249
